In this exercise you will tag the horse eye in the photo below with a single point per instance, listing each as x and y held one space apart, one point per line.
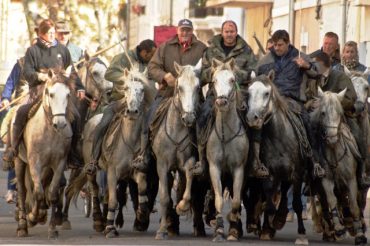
51 95
267 94
95 73
322 113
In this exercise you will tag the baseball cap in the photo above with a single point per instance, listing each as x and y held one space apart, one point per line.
185 23
62 26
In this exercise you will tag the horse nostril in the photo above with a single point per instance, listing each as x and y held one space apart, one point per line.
55 125
256 117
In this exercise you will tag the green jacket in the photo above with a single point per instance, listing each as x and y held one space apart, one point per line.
338 81
242 53
115 70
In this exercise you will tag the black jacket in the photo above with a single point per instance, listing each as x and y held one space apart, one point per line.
39 57
288 75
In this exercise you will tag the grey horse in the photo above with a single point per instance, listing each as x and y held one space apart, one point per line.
227 146
43 153
281 151
172 144
340 151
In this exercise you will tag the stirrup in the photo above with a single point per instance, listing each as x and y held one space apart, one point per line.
91 168
318 171
261 171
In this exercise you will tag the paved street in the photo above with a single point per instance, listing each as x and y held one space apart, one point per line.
83 233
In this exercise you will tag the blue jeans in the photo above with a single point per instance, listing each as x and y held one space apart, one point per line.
11 176
290 199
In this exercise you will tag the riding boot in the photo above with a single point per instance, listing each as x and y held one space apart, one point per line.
199 167
99 134
259 169
141 161
11 149
74 159
362 180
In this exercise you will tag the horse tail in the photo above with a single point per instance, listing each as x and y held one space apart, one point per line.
73 189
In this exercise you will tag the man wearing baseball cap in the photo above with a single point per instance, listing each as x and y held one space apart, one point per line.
185 49
63 35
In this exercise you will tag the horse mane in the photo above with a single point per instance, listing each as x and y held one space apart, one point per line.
278 100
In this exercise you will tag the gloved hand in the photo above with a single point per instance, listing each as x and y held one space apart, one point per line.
42 77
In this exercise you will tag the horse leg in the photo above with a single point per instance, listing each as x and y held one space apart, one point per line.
282 212
110 230
54 197
184 205
268 231
360 238
252 204
298 208
97 214
236 229
66 224
122 200
59 210
38 191
328 187
20 170
173 219
164 198
198 194
142 213
214 172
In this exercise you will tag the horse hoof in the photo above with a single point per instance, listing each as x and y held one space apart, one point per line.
31 220
53 235
141 226
199 232
317 228
161 236
43 217
328 237
98 227
219 238
182 208
22 232
66 225
361 240
301 240
340 235
232 238
110 232
58 219
265 236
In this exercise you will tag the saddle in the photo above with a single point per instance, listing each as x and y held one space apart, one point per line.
159 117
111 137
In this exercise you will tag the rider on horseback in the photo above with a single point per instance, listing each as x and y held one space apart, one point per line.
291 68
46 53
223 47
140 56
185 49
336 81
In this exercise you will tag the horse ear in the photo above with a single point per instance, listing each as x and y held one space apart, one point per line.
271 75
86 56
178 68
216 63
253 75
342 94
68 71
320 93
198 67
126 72
346 70
231 64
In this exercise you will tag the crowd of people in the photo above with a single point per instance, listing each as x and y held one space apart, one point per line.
292 68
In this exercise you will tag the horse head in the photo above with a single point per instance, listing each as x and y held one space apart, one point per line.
224 84
92 77
56 97
361 85
330 114
187 91
259 99
133 91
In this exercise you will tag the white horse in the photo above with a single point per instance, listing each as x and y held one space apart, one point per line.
227 147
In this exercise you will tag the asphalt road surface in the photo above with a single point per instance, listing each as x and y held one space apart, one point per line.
82 232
